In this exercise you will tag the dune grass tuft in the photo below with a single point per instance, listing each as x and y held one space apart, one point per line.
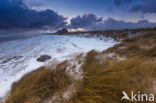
39 85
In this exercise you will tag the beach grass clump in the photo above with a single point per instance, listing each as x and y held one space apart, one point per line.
39 85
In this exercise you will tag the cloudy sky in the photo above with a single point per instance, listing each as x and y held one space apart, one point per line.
87 14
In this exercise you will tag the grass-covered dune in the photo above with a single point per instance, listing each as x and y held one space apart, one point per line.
104 81
128 66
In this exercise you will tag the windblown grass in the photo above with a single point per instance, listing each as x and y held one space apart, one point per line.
39 85
104 83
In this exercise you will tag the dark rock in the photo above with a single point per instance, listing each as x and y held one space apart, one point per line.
43 58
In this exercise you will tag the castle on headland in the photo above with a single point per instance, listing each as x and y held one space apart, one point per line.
62 31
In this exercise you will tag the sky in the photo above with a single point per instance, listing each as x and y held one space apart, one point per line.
119 9
28 15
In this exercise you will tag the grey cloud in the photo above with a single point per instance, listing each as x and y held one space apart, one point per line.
120 2
85 20
110 24
148 6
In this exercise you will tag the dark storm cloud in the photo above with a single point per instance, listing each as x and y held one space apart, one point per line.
148 6
85 20
14 14
119 2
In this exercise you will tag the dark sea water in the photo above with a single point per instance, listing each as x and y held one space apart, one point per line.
12 37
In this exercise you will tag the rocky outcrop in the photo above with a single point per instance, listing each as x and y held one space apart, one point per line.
43 58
